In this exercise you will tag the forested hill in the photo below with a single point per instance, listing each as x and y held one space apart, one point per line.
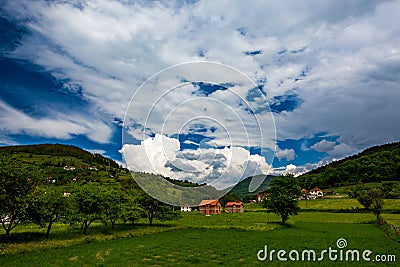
375 164
61 150
242 189
52 158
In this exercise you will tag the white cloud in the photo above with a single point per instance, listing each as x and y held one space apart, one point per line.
297 170
287 154
323 146
61 126
219 167
343 58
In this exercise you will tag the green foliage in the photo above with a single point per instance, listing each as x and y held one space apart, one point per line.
376 164
111 205
391 190
49 204
17 182
131 211
61 150
242 188
370 198
154 209
282 198
87 200
377 202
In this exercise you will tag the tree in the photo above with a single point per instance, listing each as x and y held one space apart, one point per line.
131 211
48 205
377 202
17 182
364 198
154 209
111 205
370 198
87 199
282 197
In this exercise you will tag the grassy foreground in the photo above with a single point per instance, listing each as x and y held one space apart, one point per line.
225 239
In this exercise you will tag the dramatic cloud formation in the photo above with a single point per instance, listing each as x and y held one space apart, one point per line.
323 146
221 168
288 154
329 71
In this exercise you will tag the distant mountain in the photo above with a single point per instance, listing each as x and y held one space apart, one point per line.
375 164
61 150
65 164
242 189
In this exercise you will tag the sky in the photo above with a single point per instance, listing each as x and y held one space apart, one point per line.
204 89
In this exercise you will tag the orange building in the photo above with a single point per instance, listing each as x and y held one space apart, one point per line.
210 207
236 206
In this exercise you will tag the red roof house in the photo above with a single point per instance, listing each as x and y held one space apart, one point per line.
210 207
316 192
236 206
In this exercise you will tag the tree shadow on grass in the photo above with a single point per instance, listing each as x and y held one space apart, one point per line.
19 238
75 231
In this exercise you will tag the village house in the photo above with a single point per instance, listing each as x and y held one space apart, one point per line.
186 208
69 168
260 197
235 206
208 207
316 192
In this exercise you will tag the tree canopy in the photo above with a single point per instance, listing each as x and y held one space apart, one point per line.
282 198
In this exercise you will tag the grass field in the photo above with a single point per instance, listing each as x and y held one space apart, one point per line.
225 239
331 204
392 219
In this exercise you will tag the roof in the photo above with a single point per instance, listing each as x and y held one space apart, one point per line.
209 202
237 203
315 189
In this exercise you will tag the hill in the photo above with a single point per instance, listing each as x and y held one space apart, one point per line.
242 189
63 164
61 150
375 164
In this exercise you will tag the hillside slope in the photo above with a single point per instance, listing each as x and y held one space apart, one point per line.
242 189
64 164
375 164
61 150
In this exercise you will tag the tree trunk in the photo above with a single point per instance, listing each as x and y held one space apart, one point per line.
284 220
86 226
8 230
8 227
85 229
151 218
83 224
48 229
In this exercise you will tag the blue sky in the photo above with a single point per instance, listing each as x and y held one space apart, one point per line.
326 71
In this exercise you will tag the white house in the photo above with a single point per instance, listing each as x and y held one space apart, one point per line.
186 208
69 168
316 192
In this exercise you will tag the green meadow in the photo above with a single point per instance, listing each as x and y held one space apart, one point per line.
198 240
343 203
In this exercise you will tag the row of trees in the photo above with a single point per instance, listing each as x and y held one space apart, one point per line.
62 150
285 190
25 196
379 166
